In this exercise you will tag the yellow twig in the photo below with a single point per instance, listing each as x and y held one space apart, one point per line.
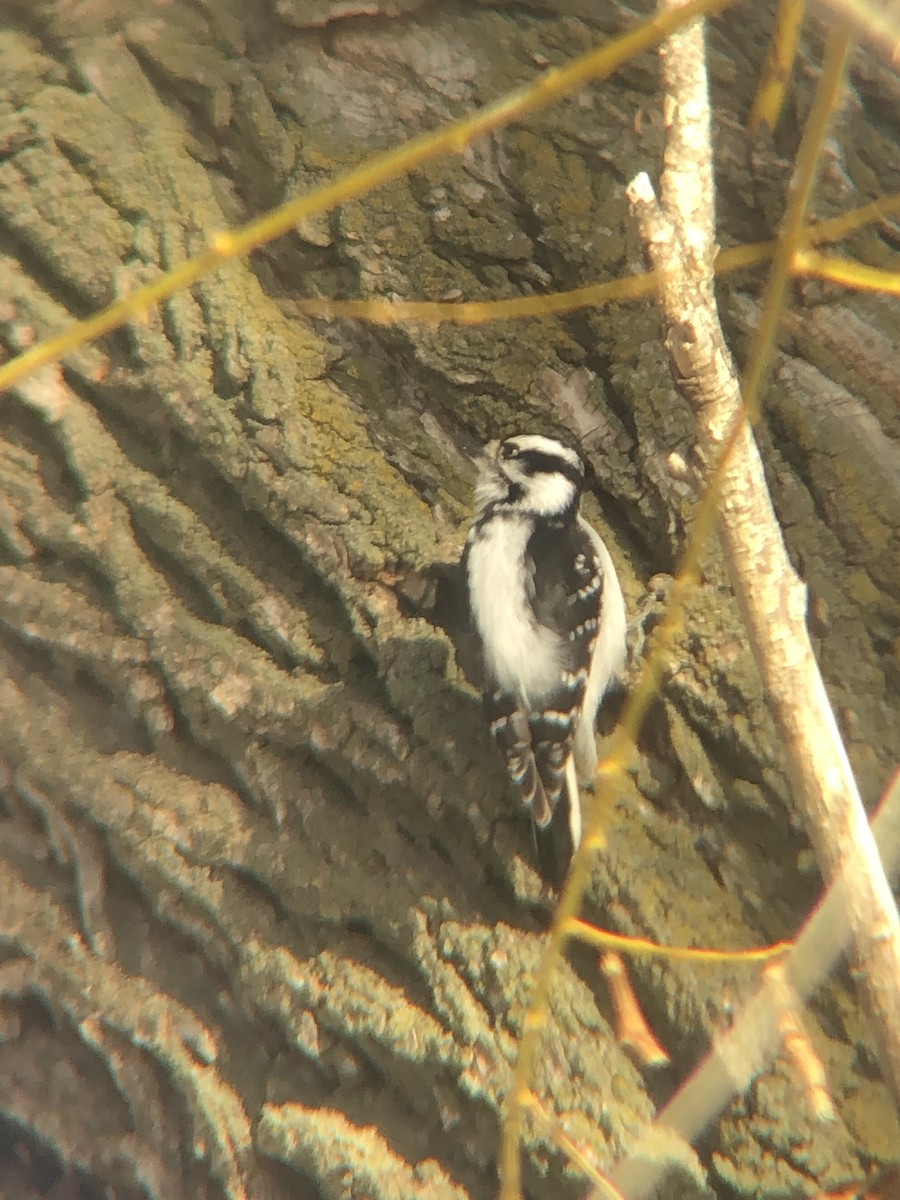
647 949
647 685
449 139
790 240
574 1152
845 271
616 291
776 72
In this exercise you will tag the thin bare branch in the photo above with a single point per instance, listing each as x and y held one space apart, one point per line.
779 64
680 237
452 138
756 1033
876 25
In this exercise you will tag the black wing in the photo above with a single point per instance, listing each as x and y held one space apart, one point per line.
566 593
567 587
567 584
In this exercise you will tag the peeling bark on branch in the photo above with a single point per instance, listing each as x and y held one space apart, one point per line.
262 886
680 239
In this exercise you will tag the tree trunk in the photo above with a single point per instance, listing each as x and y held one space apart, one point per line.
269 913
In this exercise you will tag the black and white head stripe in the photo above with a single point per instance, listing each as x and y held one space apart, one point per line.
534 455
531 473
546 605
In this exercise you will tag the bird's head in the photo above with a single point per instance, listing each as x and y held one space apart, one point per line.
530 473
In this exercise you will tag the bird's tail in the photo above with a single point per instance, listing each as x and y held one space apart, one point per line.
556 840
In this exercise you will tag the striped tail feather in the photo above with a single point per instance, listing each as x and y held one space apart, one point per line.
556 843
510 730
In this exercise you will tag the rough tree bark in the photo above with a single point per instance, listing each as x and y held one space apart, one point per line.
268 915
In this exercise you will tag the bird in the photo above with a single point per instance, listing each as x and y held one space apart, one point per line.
548 615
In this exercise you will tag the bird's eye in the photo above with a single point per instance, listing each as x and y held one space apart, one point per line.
507 450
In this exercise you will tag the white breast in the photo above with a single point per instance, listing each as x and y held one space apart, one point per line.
523 657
